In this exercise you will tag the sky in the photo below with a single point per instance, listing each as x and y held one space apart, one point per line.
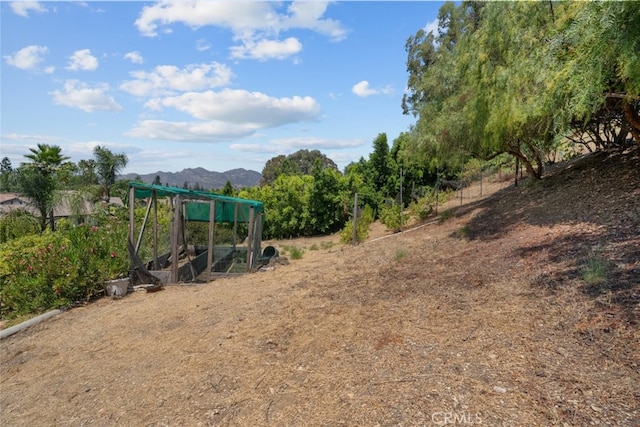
218 85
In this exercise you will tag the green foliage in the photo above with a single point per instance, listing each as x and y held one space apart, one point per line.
38 179
294 252
107 165
596 268
367 216
425 205
327 206
511 77
391 216
445 215
8 178
400 254
57 269
17 223
302 162
326 245
228 189
34 274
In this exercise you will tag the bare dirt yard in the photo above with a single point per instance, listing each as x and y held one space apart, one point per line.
520 308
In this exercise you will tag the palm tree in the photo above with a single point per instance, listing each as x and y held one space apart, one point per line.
38 181
108 165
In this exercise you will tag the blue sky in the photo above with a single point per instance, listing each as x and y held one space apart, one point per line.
218 85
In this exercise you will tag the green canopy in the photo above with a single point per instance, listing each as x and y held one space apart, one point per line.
198 203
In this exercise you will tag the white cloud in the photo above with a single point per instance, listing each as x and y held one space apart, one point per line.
238 16
202 45
290 145
210 131
241 106
267 49
80 95
432 27
23 8
225 115
256 25
134 57
363 89
82 60
27 58
166 79
308 14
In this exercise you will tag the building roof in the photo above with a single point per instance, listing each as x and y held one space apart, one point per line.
71 204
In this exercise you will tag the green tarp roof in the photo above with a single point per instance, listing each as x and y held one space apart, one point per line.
197 206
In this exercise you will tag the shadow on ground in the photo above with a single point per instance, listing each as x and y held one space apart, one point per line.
595 199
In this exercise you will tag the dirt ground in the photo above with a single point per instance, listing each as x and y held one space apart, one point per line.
484 318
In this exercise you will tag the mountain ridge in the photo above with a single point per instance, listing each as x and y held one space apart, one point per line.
201 177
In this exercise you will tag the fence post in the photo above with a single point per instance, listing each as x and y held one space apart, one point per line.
355 219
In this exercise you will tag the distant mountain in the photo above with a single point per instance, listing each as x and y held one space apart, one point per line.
207 180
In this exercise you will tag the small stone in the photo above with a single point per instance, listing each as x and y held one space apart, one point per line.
499 389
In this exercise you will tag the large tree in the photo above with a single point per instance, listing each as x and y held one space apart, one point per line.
108 165
7 175
38 179
511 77
299 163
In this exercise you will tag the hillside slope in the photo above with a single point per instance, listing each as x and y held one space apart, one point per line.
485 318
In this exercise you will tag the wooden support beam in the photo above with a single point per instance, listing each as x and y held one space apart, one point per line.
154 200
212 221
132 218
250 238
175 234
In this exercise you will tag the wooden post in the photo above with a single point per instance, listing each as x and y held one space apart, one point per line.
175 230
154 200
144 226
235 225
355 219
132 215
401 200
212 220
250 238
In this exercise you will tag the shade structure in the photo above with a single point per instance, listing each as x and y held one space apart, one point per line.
225 210
208 257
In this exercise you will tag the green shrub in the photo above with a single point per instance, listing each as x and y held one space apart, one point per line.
35 274
391 216
41 272
364 221
445 215
294 251
326 245
596 268
400 253
18 223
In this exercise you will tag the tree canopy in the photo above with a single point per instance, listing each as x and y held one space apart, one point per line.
515 77
301 162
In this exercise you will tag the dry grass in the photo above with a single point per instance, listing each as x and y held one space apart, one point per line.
496 326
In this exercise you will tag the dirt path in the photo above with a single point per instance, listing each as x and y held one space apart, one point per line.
437 326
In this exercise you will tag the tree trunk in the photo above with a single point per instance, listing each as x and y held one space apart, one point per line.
533 173
52 221
634 120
